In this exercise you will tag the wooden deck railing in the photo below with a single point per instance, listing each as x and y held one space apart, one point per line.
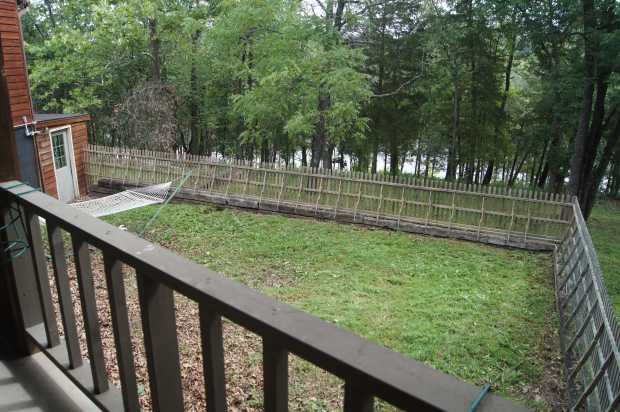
588 327
517 218
368 370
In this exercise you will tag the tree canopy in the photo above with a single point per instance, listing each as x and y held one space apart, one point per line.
517 92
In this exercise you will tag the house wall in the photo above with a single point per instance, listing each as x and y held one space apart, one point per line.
14 63
79 133
26 154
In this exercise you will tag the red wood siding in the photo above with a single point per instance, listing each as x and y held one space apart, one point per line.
79 133
14 63
46 163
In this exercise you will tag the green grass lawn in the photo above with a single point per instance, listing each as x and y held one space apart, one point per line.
604 225
477 312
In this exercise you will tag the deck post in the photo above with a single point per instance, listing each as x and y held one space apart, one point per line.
18 293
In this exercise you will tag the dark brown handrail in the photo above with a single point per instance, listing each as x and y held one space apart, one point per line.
367 369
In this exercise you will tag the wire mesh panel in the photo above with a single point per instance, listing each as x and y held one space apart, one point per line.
589 331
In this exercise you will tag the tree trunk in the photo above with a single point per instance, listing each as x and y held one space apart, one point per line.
594 137
581 136
319 139
155 46
418 159
375 156
597 177
452 149
328 155
304 156
394 156
195 142
488 174
614 179
264 152
48 6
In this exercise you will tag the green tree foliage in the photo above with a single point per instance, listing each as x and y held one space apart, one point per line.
513 92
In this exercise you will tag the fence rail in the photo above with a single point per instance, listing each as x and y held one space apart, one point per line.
368 370
589 332
531 220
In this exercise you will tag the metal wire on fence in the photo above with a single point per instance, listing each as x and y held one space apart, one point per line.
589 332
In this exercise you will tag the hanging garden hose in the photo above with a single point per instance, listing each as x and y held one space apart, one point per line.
476 403
14 248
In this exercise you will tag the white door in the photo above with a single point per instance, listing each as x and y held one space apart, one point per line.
62 165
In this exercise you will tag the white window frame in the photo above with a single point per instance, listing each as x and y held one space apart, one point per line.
70 159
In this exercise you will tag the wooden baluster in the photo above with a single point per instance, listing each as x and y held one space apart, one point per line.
275 376
89 309
213 359
161 344
43 284
357 399
122 337
59 263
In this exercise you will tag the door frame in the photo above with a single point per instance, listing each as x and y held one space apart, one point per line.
71 157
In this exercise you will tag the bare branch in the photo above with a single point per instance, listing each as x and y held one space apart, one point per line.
398 89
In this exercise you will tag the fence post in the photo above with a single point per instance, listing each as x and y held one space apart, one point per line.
402 205
428 210
197 177
380 203
18 293
283 176
452 212
359 197
512 218
260 198
214 168
229 181
527 224
318 199
481 217
247 181
338 198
